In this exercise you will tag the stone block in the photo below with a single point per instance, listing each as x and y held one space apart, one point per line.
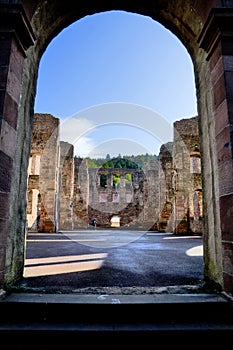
226 215
8 139
6 164
4 205
10 111
219 91
221 117
228 257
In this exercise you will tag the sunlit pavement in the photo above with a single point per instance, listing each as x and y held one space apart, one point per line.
123 261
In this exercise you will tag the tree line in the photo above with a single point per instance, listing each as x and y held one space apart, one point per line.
121 162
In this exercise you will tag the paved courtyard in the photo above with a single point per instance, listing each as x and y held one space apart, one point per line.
117 261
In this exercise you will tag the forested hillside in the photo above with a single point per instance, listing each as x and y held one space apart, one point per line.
125 162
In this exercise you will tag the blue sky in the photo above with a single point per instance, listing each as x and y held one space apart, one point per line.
119 65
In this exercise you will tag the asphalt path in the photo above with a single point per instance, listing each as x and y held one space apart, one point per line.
91 260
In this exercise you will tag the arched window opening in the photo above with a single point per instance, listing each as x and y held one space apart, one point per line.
115 221
34 164
116 180
128 180
195 163
103 180
33 209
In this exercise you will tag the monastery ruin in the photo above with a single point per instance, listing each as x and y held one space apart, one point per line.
65 194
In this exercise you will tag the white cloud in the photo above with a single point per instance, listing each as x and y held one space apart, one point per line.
72 129
84 147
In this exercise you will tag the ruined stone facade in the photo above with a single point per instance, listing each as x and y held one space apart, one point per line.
81 194
187 177
166 192
43 174
66 186
64 194
181 180
132 202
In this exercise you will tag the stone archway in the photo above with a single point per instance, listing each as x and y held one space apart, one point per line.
115 221
27 27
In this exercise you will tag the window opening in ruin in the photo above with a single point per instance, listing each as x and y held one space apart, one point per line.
197 204
103 180
103 197
195 164
34 165
33 207
128 197
116 179
116 197
29 202
128 180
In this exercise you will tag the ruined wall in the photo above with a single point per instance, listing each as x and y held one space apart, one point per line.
166 194
187 177
66 186
43 174
152 195
132 202
63 193
181 180
80 193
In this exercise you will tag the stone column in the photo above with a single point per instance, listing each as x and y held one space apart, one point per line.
15 37
66 190
217 40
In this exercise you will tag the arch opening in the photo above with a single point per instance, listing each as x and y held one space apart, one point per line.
188 29
130 181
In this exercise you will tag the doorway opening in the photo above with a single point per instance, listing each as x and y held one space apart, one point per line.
156 187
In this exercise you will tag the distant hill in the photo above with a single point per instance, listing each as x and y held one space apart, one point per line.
125 162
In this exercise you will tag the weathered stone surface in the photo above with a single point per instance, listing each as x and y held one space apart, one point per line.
43 178
66 187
